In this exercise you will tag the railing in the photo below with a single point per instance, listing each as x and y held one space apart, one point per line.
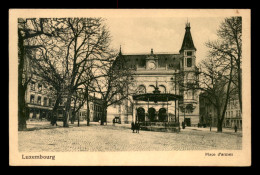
160 124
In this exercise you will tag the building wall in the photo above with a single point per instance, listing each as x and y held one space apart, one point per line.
146 78
233 114
38 107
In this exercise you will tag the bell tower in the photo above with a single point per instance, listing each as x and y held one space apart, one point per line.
188 51
188 66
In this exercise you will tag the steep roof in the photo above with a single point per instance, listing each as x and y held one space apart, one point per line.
173 59
187 43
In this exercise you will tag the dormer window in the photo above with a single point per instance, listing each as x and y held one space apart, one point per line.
141 63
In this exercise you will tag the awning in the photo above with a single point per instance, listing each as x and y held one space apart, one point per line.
157 97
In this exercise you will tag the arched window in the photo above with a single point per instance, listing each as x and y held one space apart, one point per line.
141 89
150 89
141 114
162 88
162 115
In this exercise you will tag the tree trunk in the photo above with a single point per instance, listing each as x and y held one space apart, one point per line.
240 89
21 110
88 118
73 116
78 119
55 110
103 116
67 112
21 88
219 126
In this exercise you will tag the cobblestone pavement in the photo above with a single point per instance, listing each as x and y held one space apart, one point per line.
43 137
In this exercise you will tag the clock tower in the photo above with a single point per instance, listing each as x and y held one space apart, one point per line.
151 61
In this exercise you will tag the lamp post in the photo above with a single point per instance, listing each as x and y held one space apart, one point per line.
183 106
210 118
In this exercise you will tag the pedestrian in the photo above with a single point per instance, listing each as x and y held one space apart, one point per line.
183 125
133 126
235 128
113 121
137 127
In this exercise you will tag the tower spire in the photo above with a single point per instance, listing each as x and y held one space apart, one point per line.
187 43
120 52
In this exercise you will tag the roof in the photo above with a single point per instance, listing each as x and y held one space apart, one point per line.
187 43
157 97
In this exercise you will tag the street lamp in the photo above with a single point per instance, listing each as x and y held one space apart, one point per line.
210 120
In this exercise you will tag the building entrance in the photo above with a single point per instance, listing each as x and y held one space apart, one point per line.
141 114
162 115
151 116
187 122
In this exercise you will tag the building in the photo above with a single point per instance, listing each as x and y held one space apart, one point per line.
95 109
233 114
160 69
38 99
208 113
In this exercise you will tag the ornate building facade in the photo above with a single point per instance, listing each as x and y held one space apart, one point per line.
161 70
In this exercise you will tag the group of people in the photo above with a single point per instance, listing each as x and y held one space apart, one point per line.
135 127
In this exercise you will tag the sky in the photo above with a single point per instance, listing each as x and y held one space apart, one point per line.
163 34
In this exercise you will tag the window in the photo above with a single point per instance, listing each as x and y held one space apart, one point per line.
45 101
162 88
231 113
39 87
141 62
32 99
189 53
141 89
32 86
39 101
150 89
189 62
119 108
162 62
50 102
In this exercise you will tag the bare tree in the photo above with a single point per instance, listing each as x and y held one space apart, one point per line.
113 85
229 46
213 80
77 44
78 100
219 76
28 30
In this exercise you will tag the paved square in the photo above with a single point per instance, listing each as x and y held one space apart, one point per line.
44 137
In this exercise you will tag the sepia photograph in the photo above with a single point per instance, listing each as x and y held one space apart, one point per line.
157 87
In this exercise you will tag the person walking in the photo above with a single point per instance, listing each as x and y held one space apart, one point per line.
133 126
114 121
235 128
183 125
